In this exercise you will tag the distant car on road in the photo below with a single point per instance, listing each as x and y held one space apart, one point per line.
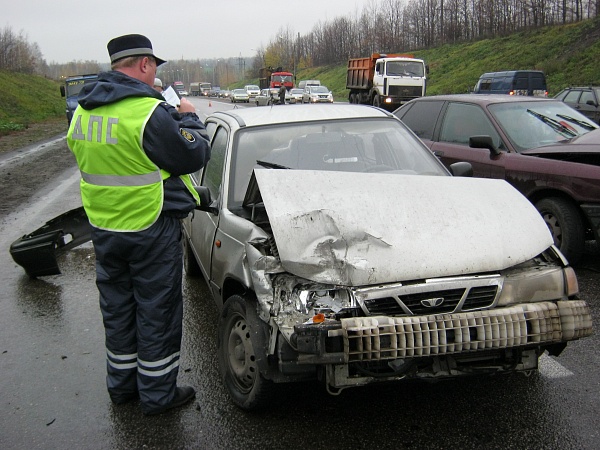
266 97
252 90
317 94
239 95
338 248
586 100
296 94
543 147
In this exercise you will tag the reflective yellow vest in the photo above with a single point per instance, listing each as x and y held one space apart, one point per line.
121 188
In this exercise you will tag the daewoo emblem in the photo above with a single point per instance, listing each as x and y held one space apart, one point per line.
432 302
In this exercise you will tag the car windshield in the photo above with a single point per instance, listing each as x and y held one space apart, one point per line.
535 124
365 145
405 68
74 86
296 91
254 88
319 90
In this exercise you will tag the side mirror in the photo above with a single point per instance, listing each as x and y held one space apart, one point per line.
484 142
461 169
62 91
205 200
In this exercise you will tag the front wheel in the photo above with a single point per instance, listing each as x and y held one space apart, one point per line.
565 225
237 356
376 101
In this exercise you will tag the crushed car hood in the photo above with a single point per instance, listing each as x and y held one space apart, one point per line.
361 228
583 149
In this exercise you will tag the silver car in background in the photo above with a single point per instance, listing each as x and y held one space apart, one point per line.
317 94
338 248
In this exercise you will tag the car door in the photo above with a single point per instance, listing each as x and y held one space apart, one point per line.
588 105
203 225
459 122
306 95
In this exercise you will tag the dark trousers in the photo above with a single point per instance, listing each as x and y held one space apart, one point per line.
139 277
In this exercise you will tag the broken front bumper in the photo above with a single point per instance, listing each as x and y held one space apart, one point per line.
388 338
358 351
37 252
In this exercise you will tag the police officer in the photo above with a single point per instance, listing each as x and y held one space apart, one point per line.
134 152
282 91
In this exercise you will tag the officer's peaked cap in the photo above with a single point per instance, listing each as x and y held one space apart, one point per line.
131 45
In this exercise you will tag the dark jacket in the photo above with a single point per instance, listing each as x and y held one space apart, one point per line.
163 142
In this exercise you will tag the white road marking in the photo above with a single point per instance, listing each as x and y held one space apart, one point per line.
549 368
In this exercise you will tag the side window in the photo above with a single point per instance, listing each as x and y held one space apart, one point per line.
213 173
485 85
587 96
462 121
422 117
572 96
210 129
522 82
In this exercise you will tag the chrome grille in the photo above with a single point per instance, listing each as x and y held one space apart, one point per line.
438 296
406 92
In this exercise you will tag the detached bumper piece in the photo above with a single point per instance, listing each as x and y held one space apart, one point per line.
526 325
37 252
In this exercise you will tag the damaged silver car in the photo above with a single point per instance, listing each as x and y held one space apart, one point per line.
339 248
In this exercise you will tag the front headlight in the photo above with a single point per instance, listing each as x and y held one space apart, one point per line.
315 301
538 285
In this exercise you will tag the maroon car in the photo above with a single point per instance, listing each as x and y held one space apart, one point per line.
544 148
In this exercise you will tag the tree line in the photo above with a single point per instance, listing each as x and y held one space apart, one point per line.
409 25
384 26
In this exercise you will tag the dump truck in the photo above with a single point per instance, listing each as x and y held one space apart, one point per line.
386 80
274 78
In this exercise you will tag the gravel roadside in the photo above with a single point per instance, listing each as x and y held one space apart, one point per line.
36 132
22 176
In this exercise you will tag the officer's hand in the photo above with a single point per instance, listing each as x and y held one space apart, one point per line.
186 106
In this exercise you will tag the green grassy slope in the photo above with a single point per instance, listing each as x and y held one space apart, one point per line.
26 99
569 55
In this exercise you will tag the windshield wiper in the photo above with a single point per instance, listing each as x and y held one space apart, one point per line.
554 124
270 165
581 123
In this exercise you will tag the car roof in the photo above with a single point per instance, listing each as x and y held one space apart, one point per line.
485 99
247 117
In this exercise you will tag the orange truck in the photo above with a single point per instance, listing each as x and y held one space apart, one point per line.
274 78
386 80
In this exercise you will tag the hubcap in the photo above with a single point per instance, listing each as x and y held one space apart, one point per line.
554 227
240 353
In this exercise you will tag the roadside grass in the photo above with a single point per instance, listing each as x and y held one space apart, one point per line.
27 99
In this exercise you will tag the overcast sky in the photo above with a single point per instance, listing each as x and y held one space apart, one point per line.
70 30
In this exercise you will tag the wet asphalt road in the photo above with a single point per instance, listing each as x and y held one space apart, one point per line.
53 396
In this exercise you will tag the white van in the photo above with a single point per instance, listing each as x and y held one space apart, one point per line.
303 83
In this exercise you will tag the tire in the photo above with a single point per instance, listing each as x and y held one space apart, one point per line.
565 225
376 102
238 365
190 265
